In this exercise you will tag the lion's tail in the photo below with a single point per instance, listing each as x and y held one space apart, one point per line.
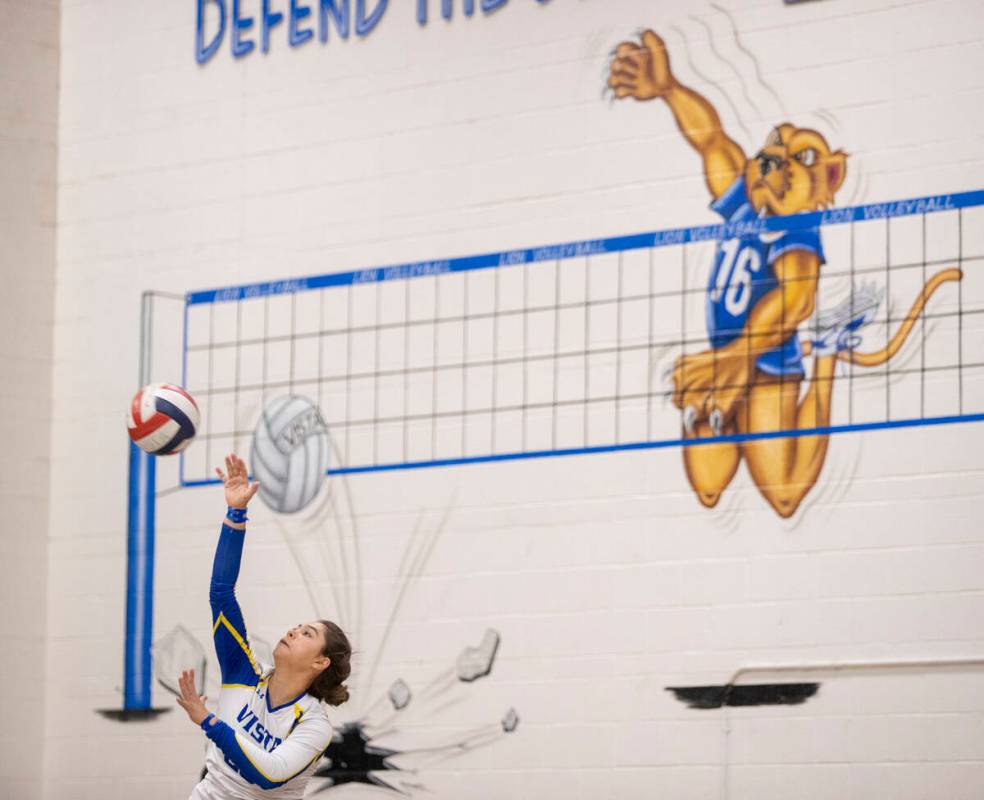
879 357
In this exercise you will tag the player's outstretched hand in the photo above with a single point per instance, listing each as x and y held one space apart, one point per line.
189 699
641 69
238 490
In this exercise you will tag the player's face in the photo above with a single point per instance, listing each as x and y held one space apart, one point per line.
787 175
302 645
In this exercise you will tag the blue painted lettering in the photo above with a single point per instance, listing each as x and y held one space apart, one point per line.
257 733
212 16
338 10
240 46
705 232
837 215
572 250
203 52
906 207
467 6
669 237
415 270
363 24
446 9
270 20
295 34
225 295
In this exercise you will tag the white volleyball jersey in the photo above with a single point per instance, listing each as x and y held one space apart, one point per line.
274 750
256 751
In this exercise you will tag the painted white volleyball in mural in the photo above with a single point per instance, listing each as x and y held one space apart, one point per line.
289 455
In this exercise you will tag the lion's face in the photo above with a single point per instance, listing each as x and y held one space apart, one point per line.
795 171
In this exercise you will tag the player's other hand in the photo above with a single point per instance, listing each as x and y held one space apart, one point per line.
189 699
641 70
238 490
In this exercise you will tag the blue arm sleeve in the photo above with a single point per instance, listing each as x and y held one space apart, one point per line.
273 769
236 661
806 239
734 197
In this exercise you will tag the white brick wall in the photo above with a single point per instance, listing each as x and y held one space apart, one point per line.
606 579
28 129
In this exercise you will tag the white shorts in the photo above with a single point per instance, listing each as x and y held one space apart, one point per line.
208 790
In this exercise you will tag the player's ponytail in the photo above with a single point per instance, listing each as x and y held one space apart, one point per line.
329 687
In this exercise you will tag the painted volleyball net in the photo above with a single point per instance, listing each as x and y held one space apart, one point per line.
572 348
557 350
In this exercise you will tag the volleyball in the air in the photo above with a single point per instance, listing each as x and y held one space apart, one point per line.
163 419
289 456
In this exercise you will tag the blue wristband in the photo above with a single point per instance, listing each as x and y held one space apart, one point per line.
205 722
237 515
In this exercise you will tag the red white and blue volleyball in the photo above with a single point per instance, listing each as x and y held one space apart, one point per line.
163 419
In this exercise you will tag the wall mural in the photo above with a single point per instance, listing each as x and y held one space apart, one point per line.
761 291
771 366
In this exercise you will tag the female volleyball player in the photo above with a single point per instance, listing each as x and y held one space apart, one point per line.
269 728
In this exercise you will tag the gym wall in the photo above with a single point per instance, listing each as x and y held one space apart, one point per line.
565 626
28 159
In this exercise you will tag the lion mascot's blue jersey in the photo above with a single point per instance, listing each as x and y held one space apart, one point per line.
744 272
255 751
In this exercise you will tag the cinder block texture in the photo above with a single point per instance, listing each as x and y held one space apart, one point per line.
29 61
605 576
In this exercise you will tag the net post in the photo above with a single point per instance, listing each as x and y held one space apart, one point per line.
139 580
142 485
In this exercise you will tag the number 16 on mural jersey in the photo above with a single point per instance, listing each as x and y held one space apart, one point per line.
731 281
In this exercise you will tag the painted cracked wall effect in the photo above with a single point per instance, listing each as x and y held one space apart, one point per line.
354 755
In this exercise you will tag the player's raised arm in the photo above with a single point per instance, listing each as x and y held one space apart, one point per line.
642 71
236 660
269 727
